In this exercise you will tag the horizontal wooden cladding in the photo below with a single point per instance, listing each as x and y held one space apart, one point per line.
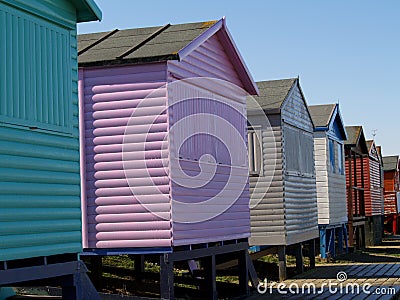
231 207
267 194
331 187
390 203
39 194
25 251
127 185
373 187
300 205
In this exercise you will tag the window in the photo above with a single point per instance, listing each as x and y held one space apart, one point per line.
255 152
340 159
292 147
35 70
299 151
332 163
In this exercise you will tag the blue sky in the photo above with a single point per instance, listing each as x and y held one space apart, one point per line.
346 51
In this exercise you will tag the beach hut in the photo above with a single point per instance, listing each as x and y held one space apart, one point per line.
373 195
40 215
164 144
355 152
329 137
282 174
391 167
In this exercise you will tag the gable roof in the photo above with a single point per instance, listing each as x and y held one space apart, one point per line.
272 94
322 114
324 117
355 137
390 163
87 10
369 144
157 44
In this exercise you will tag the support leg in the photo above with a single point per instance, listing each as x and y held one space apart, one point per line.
395 224
96 270
346 239
139 266
210 277
351 235
332 249
299 258
71 287
166 278
340 240
322 243
311 253
282 262
243 273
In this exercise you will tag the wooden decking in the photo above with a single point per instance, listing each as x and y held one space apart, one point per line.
382 280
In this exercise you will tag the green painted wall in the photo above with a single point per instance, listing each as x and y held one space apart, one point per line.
40 211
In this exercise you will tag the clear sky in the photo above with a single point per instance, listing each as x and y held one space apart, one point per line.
346 51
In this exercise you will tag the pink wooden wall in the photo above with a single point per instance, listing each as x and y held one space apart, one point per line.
113 216
135 207
209 60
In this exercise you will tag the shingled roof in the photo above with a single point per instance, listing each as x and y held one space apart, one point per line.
272 94
355 137
148 44
353 133
390 163
321 114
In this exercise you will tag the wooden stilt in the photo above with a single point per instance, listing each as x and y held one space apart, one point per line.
282 262
166 278
210 277
243 272
311 253
299 258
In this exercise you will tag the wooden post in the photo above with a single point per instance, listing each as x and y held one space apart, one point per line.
243 272
311 253
71 287
96 270
139 266
210 277
322 242
299 258
282 262
166 278
394 224
332 247
340 239
350 198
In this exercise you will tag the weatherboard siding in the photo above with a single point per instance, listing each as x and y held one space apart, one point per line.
301 210
40 211
209 60
322 183
287 214
267 205
331 186
373 188
116 215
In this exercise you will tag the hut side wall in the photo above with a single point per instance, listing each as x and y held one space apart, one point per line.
321 170
267 205
300 193
373 189
211 61
390 199
39 152
115 216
